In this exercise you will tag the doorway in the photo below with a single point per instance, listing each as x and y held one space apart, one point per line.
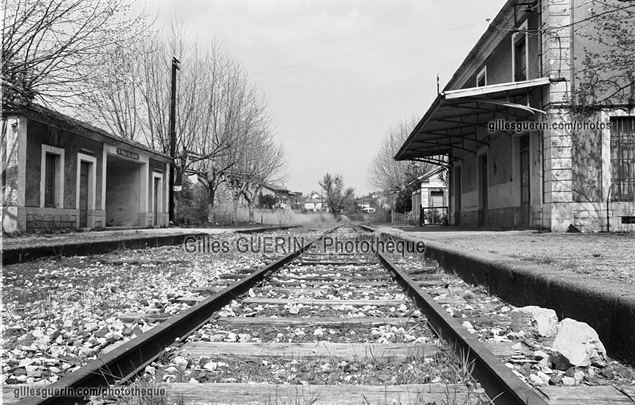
123 192
457 195
156 197
484 191
524 181
84 168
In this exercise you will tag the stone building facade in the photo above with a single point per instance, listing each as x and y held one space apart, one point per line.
531 139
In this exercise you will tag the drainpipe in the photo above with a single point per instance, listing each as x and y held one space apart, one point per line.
572 47
608 200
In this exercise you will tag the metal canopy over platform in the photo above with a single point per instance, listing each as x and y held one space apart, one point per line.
452 122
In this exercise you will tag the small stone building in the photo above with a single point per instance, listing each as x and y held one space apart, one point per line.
60 173
280 193
430 198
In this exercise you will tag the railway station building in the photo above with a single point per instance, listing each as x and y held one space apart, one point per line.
60 173
536 129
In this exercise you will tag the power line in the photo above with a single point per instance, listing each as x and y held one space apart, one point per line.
366 50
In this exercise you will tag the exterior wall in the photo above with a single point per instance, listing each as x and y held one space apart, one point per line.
23 206
14 131
499 66
499 61
581 45
591 179
65 215
569 168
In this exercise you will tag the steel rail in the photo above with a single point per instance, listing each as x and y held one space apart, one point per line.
129 359
498 381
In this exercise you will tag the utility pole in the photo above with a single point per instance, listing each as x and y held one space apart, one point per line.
172 187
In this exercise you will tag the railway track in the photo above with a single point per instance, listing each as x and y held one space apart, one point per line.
316 326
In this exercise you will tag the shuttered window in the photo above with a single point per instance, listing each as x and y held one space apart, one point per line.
49 180
623 158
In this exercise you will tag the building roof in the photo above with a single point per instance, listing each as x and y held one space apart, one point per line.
63 121
276 187
419 180
452 121
504 22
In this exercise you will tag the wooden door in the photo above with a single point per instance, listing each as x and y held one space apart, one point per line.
83 194
484 191
155 204
457 196
524 181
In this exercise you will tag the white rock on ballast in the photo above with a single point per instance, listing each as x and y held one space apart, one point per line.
579 343
544 320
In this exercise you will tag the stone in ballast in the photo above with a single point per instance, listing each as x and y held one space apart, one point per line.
544 320
579 344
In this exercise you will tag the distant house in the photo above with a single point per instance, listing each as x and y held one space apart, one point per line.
61 173
295 200
280 193
430 197
314 205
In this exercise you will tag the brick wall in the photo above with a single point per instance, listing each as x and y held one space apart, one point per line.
47 220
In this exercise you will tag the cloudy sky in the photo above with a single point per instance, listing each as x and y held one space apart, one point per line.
338 74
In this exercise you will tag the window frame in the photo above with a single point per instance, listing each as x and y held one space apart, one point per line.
482 74
622 154
58 177
92 180
50 162
515 39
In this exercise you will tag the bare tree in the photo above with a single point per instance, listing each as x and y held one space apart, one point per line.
389 175
114 101
212 96
50 48
337 198
223 126
608 65
261 161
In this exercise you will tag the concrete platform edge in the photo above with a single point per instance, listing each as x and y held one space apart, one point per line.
610 313
30 253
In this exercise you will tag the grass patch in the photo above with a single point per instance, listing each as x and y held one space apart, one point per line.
225 215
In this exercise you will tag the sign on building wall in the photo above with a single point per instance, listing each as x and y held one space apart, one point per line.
127 154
